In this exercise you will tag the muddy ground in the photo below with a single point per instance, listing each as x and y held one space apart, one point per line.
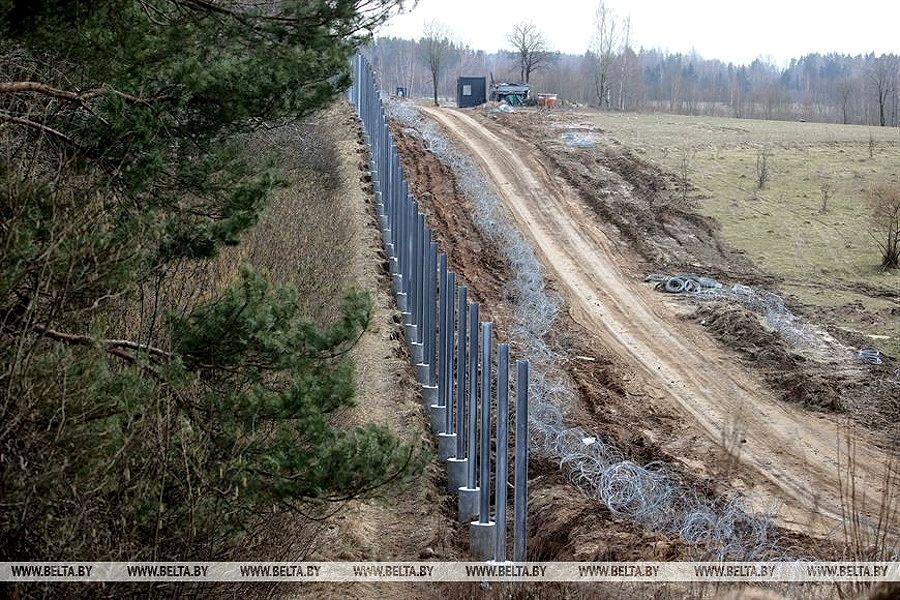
644 206
564 524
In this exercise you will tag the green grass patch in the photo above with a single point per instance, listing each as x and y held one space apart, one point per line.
823 255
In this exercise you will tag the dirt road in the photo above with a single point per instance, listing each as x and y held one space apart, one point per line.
681 369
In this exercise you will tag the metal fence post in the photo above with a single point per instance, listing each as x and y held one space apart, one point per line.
436 411
450 353
457 464
422 250
412 327
461 367
420 354
481 532
520 491
447 439
502 475
467 507
432 317
484 479
429 386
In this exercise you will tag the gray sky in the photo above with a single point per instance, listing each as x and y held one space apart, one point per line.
725 29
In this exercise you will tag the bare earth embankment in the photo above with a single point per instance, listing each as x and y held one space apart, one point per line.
788 455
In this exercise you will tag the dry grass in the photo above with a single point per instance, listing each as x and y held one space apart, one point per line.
303 238
825 258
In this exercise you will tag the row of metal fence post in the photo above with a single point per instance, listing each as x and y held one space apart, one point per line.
442 331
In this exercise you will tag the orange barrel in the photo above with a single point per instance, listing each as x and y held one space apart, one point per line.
546 101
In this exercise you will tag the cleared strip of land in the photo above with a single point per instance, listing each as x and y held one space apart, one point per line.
794 451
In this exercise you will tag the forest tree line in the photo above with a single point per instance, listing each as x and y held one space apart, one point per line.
611 74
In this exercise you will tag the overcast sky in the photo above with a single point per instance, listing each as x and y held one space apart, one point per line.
725 29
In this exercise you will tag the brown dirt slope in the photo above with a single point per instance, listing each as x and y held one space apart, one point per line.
640 205
791 455
564 525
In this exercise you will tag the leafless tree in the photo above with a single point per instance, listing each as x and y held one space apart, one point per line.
684 173
626 48
827 191
882 75
845 95
436 45
529 48
602 50
884 202
824 88
763 173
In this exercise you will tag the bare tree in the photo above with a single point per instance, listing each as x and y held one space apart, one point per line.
529 48
881 78
762 167
827 192
845 95
601 50
684 173
884 202
626 48
436 46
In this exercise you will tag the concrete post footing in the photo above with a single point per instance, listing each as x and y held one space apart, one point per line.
400 297
456 474
423 372
467 504
481 540
446 445
417 352
429 396
438 418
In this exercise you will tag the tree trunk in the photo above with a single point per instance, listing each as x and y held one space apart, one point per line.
434 84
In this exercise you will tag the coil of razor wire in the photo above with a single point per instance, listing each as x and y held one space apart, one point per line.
869 355
778 317
651 494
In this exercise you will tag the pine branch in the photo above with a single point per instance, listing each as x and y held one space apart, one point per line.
86 340
36 87
5 116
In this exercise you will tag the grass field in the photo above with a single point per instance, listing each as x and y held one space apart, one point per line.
826 258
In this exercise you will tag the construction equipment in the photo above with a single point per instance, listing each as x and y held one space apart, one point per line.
514 94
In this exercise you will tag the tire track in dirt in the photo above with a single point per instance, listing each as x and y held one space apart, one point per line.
795 452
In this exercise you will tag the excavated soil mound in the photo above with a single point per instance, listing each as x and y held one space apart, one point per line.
794 376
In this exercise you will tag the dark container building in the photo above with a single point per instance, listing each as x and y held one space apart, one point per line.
471 91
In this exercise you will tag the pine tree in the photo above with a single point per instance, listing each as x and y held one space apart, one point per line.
121 123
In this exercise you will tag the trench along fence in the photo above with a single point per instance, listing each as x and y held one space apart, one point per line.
452 351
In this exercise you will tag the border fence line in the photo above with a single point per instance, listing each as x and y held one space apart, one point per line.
442 332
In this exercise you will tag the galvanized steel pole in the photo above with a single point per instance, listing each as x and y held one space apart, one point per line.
502 475
461 368
472 429
432 300
442 332
484 482
449 351
520 490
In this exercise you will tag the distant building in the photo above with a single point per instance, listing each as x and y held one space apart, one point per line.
514 94
471 91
